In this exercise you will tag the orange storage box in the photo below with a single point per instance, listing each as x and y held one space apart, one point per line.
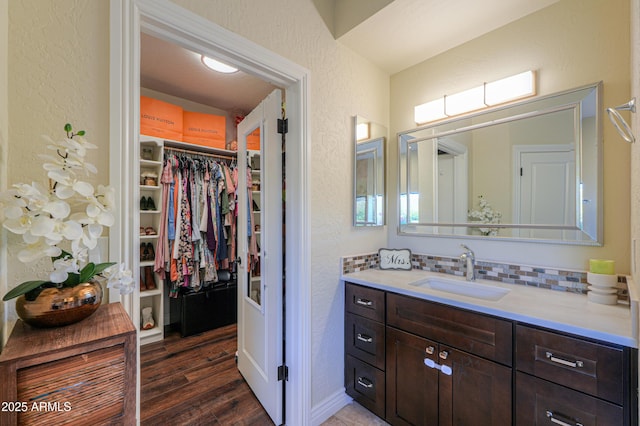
253 140
204 129
160 119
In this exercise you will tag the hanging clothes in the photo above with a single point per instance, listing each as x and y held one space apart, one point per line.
198 220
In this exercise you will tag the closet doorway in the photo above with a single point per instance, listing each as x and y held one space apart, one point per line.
166 21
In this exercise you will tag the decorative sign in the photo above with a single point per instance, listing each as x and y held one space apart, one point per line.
395 259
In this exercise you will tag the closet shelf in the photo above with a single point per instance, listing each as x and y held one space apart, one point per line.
150 163
148 237
147 263
149 211
146 334
150 293
149 187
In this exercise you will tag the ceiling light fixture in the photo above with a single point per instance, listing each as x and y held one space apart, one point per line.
498 92
218 66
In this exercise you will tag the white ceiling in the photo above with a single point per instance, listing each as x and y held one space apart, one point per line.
407 32
398 36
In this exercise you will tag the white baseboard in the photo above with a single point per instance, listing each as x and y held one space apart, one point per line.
329 407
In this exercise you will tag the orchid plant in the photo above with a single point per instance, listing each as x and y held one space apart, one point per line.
486 214
70 212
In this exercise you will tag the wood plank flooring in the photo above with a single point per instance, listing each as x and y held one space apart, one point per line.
194 381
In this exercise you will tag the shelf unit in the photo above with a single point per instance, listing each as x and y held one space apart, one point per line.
151 160
256 195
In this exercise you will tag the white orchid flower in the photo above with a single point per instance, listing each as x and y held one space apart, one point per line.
67 185
119 278
62 268
38 250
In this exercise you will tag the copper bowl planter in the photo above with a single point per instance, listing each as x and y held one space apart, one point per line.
55 307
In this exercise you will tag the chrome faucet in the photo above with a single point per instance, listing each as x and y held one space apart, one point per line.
470 258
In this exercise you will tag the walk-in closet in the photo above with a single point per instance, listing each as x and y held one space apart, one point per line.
189 210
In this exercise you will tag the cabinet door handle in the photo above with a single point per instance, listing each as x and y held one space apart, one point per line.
364 338
445 369
363 302
365 383
573 364
443 354
430 350
561 420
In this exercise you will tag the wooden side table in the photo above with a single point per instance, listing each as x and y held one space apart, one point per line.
83 373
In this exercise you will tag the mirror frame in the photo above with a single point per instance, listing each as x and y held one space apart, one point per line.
539 107
374 144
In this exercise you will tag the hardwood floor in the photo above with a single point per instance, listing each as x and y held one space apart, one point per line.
194 381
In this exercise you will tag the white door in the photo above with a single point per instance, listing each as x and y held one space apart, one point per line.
547 191
260 284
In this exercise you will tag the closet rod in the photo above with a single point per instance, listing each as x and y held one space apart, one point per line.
206 154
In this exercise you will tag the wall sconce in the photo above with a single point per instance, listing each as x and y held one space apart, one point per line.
619 122
362 131
489 94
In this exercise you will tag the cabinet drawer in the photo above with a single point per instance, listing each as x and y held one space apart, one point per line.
477 334
539 402
364 301
593 368
365 384
364 339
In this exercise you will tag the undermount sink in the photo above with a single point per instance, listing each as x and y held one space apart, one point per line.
464 288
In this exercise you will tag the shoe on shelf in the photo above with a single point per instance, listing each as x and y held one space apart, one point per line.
149 278
151 205
151 253
144 252
147 318
148 231
144 204
143 286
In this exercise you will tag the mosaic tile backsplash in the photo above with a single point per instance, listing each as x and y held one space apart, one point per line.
548 278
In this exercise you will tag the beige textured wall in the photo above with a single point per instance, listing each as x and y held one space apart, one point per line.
4 132
635 152
59 71
571 43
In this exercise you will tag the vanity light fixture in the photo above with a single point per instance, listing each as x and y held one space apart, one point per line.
218 66
489 94
362 131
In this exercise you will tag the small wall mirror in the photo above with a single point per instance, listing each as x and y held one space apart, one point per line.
527 171
368 183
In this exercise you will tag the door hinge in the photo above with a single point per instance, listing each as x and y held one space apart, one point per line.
283 125
283 373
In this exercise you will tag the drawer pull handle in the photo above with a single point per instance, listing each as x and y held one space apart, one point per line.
561 420
573 364
364 338
363 302
443 354
365 383
430 350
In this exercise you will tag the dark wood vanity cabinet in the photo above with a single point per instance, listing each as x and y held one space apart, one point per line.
441 367
416 362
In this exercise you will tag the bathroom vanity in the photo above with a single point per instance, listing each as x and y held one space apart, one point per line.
430 349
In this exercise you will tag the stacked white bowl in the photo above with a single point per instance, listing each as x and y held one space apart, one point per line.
603 282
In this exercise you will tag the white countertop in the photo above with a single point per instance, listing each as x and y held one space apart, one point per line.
562 311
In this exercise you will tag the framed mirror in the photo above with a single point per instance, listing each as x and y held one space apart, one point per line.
369 169
528 171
